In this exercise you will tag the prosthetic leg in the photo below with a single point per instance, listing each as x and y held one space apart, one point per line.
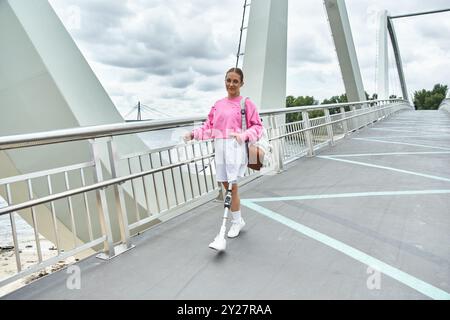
219 242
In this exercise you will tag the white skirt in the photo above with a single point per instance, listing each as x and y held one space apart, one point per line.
231 159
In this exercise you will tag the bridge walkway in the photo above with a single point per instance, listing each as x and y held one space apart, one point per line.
368 218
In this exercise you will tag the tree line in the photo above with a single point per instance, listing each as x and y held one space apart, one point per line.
430 100
423 100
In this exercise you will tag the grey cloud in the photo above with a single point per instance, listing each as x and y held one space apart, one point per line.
437 31
101 20
134 76
199 44
173 94
208 85
131 58
207 68
150 62
154 42
181 81
307 49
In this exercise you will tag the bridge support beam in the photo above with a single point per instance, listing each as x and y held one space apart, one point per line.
265 54
382 63
46 84
345 48
398 59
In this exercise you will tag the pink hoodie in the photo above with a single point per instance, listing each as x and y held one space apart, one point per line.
225 118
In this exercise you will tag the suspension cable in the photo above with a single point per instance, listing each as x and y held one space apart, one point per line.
418 13
240 36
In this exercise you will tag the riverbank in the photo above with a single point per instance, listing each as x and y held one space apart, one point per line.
28 258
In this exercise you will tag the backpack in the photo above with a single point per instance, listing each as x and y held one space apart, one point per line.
260 152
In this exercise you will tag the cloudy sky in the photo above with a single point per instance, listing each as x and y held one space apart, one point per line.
171 55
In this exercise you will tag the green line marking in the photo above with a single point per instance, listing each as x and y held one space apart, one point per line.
386 154
351 195
405 278
412 136
404 143
394 130
387 168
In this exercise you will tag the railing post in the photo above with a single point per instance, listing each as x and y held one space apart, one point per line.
102 205
373 115
308 134
344 122
119 196
380 106
360 118
385 111
355 119
277 144
367 117
377 113
329 126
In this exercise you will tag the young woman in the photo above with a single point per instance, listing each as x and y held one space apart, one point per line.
224 125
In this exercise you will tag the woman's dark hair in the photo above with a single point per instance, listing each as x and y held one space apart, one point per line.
238 71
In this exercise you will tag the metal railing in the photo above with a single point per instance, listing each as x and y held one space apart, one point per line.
75 203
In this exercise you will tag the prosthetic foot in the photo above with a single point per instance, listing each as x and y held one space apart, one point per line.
219 242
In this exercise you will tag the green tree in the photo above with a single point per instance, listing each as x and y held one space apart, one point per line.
430 100
292 101
299 101
336 99
343 98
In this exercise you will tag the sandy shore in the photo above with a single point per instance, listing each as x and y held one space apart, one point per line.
28 252
28 257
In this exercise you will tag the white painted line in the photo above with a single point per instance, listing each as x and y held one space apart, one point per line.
401 276
351 195
420 123
419 130
388 168
414 125
387 154
394 130
442 135
403 143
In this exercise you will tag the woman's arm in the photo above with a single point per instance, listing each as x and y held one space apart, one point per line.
205 131
254 125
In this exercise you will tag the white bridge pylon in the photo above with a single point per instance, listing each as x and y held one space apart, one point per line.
386 28
386 25
266 50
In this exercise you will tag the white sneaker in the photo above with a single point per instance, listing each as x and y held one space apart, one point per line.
218 244
235 228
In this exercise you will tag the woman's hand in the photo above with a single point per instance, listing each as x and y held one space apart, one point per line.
237 136
187 136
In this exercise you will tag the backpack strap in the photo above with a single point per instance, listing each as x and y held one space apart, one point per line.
243 113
